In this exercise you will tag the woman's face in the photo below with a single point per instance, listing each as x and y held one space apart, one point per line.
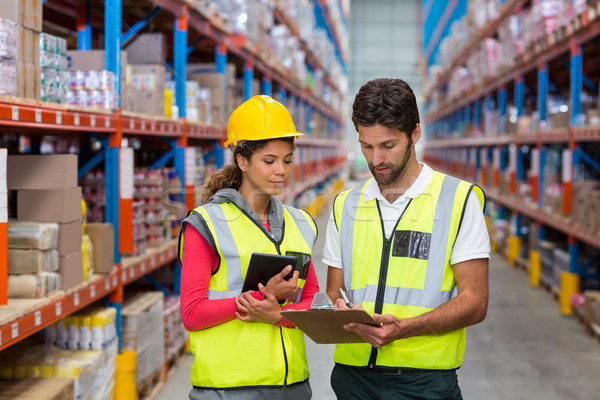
269 168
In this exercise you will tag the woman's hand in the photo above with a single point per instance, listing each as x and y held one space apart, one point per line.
267 310
282 289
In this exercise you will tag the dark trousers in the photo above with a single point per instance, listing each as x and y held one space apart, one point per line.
365 384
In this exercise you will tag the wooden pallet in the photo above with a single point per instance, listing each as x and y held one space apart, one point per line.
522 264
151 385
555 292
173 362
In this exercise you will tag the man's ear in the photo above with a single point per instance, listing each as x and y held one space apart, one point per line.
416 135
241 162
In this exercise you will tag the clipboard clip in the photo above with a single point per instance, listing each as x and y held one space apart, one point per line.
321 301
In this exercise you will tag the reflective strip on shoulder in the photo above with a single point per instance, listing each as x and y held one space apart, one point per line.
225 239
347 220
440 233
305 226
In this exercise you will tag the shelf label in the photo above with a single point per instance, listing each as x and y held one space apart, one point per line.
162 126
162 258
143 123
114 281
76 119
535 162
58 118
76 299
171 128
153 126
38 318
15 330
38 116
152 261
131 124
143 266
567 165
15 113
131 272
107 122
126 173
0 337
93 291
107 284
124 275
58 309
92 120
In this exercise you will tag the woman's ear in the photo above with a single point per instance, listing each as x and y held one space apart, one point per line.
242 162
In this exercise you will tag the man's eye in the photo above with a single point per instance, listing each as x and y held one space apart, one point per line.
389 146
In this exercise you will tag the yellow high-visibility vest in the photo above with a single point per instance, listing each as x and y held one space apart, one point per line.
242 354
406 275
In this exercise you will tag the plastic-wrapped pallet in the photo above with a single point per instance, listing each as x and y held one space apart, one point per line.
29 286
142 332
93 372
32 235
175 333
8 51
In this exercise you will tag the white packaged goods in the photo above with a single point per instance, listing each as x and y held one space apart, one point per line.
32 261
87 330
8 77
93 372
8 39
32 235
30 286
143 330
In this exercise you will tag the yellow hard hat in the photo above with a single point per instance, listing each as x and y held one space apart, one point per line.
260 118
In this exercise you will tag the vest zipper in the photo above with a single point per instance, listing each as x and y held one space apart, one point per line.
286 363
385 261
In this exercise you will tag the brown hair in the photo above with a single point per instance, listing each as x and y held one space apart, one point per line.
388 102
230 176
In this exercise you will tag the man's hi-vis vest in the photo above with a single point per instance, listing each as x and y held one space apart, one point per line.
406 275
243 354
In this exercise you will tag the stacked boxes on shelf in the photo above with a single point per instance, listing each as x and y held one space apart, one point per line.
8 53
586 205
90 329
215 89
27 14
149 190
142 332
149 89
47 191
32 259
53 64
90 84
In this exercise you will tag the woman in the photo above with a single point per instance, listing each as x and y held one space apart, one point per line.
243 348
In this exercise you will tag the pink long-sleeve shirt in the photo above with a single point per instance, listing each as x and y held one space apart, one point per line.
199 261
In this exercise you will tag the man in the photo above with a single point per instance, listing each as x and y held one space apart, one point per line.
411 247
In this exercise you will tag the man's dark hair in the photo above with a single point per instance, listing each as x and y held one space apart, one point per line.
388 102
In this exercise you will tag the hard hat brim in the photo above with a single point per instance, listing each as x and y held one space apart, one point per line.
234 141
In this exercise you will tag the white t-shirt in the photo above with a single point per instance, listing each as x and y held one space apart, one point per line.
472 241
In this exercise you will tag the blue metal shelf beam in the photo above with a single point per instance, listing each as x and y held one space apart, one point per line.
180 60
576 83
138 26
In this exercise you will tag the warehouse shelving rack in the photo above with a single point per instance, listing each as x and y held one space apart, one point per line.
22 317
544 67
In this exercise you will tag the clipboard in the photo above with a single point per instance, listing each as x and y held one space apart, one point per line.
326 326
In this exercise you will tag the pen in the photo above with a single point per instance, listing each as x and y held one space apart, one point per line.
345 298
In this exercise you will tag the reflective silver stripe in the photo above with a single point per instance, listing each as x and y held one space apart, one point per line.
217 294
305 227
347 235
225 240
431 296
439 235
404 296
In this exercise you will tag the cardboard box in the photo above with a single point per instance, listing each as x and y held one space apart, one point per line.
103 239
32 17
49 205
592 306
30 85
207 68
69 237
37 389
148 48
47 171
21 79
149 88
13 10
93 60
71 270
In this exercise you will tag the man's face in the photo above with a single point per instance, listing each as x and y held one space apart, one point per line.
387 151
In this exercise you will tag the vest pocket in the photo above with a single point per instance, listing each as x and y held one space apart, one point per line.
411 244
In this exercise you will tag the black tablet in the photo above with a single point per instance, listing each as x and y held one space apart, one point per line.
264 266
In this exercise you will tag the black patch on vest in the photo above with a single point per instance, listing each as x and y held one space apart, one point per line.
411 244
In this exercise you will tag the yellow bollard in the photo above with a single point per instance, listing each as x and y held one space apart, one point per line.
535 268
125 388
569 285
514 249
188 346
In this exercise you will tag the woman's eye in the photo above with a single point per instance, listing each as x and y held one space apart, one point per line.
269 162
288 161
